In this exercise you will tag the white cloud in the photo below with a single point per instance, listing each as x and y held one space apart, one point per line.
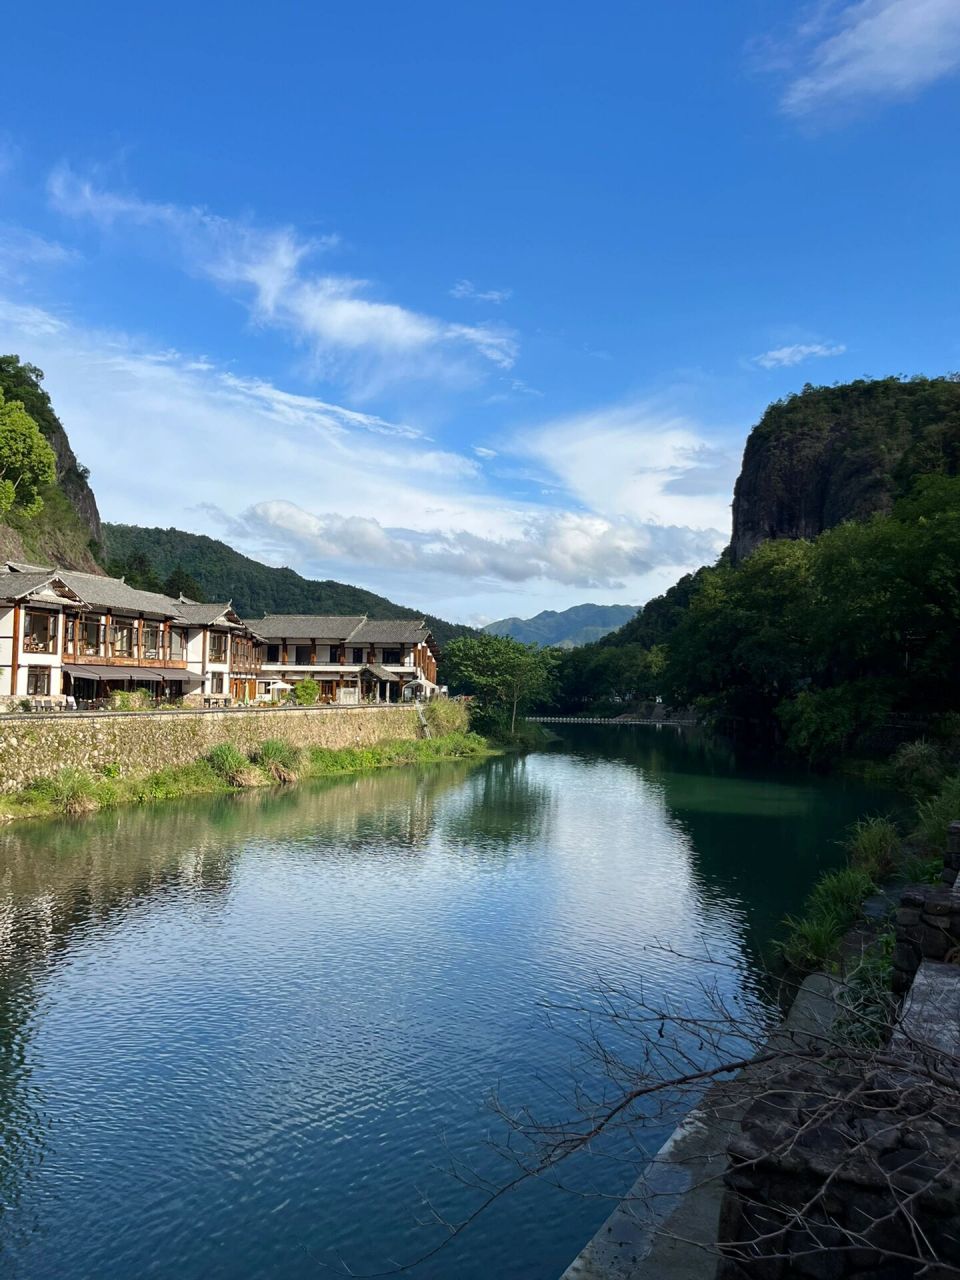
786 357
482 452
572 548
364 340
467 289
872 49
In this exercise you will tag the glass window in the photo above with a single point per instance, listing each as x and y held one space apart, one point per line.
39 632
38 682
91 635
218 647
358 655
392 657
273 653
178 645
216 683
151 640
302 655
334 653
122 637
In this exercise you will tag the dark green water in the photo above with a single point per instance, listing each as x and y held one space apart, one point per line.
241 1038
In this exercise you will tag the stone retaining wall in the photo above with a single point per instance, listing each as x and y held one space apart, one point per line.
37 746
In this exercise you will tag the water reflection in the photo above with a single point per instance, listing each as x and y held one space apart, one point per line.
233 1033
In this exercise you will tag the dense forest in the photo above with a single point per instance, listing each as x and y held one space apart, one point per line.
209 569
818 641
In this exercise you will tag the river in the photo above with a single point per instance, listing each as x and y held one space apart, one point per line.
244 1037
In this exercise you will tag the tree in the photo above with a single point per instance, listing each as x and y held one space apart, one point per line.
504 675
27 463
306 692
181 583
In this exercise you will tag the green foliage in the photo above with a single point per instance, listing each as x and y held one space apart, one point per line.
874 846
503 675
221 573
840 893
445 716
278 759
936 814
180 583
918 768
229 763
130 700
865 997
27 462
306 692
70 791
811 940
566 629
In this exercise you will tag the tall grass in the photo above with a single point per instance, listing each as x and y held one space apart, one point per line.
229 763
71 791
917 767
873 844
832 907
279 760
935 815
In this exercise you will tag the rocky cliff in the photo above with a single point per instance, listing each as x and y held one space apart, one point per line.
24 382
829 454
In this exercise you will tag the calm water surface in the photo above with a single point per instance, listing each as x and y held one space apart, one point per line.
240 1038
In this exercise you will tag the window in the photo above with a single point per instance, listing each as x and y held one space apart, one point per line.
334 653
393 657
216 683
218 647
301 655
38 682
91 639
152 640
122 640
178 646
273 653
39 632
358 655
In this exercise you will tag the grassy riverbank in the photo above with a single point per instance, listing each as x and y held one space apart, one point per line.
72 791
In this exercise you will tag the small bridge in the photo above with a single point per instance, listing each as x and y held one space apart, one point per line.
613 720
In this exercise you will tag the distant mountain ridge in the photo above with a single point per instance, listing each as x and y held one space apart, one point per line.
568 628
255 588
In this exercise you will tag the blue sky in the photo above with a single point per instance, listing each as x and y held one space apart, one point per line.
471 305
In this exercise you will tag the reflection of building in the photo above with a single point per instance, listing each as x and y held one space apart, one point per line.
64 634
353 659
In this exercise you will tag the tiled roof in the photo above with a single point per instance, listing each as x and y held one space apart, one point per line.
205 615
306 626
397 631
15 585
111 594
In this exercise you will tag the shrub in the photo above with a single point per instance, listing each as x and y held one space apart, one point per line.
306 692
444 716
130 700
917 767
279 759
874 845
935 815
230 764
71 791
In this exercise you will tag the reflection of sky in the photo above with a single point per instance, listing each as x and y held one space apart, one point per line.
264 1014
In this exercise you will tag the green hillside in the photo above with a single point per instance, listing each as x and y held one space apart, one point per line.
567 628
254 588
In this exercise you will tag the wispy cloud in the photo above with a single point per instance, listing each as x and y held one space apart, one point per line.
845 55
21 249
786 357
467 289
349 332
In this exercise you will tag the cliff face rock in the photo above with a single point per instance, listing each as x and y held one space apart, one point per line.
23 382
830 454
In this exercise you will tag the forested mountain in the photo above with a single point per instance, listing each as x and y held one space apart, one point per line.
66 530
837 608
829 454
255 589
580 624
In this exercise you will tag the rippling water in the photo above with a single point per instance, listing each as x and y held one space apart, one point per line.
242 1038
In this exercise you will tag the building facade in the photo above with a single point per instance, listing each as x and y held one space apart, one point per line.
75 636
353 659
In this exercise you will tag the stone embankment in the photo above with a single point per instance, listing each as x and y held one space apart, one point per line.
132 742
